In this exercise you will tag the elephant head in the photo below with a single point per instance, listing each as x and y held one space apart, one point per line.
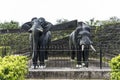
83 36
36 27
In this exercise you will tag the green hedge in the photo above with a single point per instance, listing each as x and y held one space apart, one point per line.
13 67
16 41
115 66
5 50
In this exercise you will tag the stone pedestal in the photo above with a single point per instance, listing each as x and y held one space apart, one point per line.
69 73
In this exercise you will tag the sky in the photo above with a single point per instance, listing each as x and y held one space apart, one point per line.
82 10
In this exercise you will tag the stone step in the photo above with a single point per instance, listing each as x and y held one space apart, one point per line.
64 68
69 73
59 62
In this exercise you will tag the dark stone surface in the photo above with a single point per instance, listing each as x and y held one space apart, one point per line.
63 68
68 73
68 25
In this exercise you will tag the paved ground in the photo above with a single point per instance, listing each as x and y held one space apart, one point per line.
69 69
62 62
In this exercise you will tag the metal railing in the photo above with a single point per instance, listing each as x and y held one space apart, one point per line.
107 46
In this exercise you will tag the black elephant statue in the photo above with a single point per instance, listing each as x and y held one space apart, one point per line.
40 38
79 43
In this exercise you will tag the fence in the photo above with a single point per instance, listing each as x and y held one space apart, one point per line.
106 42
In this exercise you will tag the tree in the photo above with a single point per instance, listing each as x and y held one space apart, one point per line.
93 22
9 25
112 20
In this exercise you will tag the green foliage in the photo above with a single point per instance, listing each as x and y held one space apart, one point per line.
115 66
5 50
13 67
100 26
16 41
113 20
9 25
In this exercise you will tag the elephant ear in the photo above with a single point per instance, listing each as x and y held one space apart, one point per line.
87 29
26 26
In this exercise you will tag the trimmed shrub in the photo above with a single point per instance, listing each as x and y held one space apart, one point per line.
4 50
16 41
115 66
13 67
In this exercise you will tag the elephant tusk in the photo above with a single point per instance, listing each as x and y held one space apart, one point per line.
30 30
92 48
83 47
40 29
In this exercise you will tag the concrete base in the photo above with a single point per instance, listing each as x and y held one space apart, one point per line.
69 73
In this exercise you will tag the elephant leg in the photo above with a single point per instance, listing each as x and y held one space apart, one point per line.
86 56
73 54
35 54
46 52
31 44
46 55
48 41
34 59
79 55
42 56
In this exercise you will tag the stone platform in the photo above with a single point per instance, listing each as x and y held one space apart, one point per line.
63 68
69 73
